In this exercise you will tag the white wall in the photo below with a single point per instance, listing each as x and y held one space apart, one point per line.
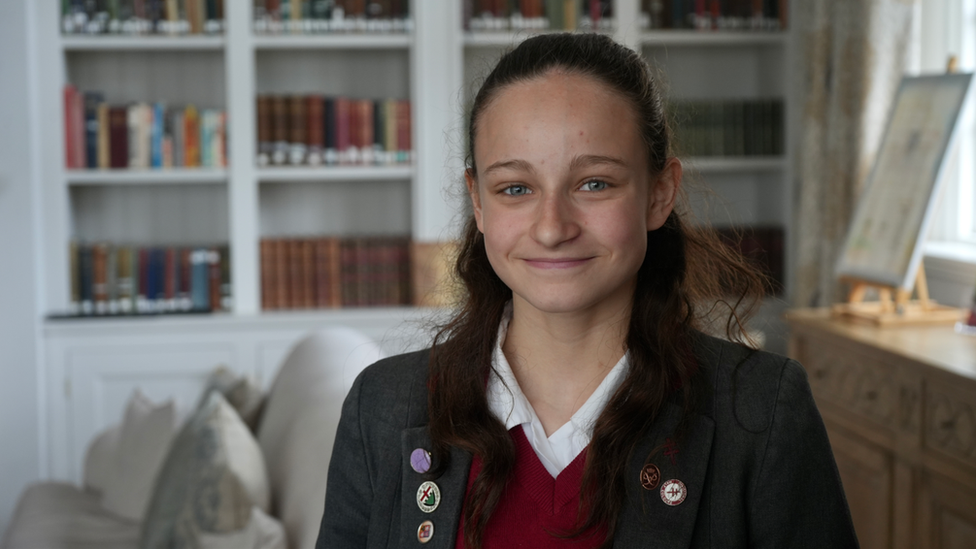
19 421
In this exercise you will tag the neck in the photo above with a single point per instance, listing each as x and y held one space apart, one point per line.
560 359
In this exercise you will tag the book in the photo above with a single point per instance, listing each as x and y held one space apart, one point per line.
118 137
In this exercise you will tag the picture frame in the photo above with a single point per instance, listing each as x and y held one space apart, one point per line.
885 241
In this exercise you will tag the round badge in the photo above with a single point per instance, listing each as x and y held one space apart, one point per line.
650 476
420 460
673 492
428 497
425 532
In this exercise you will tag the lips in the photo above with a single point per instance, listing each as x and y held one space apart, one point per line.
557 263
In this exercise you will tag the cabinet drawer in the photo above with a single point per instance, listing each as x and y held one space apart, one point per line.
950 422
844 375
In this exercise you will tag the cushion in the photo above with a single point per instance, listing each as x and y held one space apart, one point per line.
147 431
54 515
240 391
100 459
213 475
299 423
261 532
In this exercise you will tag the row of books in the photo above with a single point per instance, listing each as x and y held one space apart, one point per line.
763 246
503 15
748 15
110 279
729 128
140 135
332 272
130 17
324 16
317 130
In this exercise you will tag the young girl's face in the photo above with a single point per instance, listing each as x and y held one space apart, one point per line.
563 193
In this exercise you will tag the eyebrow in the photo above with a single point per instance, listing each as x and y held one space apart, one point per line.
587 160
517 165
578 162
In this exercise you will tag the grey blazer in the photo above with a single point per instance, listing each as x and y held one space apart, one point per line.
755 459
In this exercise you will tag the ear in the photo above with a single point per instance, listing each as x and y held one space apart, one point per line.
472 184
660 201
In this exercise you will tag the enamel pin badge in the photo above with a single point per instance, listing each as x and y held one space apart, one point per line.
650 476
428 497
425 532
673 492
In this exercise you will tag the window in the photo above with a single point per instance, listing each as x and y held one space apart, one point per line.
947 28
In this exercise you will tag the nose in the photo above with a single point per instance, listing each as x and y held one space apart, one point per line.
555 221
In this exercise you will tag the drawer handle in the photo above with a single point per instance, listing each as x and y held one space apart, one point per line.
871 395
820 374
948 423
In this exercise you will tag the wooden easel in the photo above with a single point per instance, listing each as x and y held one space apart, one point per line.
900 311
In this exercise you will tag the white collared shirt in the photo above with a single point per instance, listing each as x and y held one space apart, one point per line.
511 407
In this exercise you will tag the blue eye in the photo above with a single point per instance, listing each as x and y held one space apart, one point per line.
594 185
516 190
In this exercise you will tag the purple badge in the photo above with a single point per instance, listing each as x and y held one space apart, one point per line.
420 460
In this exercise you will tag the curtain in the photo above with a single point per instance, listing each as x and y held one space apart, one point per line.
850 56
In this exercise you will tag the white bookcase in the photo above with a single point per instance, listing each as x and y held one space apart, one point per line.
91 365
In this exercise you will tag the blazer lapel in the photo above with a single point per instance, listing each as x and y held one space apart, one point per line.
646 520
453 485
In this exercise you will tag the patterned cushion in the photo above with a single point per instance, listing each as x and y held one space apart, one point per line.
146 433
212 476
240 391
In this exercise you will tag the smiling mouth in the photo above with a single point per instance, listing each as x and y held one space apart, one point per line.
559 263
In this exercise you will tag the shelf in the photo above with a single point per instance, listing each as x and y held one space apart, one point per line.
712 38
149 43
335 173
489 39
736 164
221 321
337 41
161 176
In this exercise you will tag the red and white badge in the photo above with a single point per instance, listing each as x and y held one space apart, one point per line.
673 492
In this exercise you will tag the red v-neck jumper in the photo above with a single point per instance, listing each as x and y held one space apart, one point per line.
534 505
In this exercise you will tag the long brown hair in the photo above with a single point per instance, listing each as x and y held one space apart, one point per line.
685 271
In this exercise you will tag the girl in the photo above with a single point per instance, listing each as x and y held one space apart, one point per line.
573 401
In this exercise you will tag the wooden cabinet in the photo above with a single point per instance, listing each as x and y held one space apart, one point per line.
900 408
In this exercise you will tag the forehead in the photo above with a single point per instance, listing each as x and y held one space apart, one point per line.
557 109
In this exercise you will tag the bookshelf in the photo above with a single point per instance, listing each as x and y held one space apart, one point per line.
435 66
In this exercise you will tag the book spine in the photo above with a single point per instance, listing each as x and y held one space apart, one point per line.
69 127
125 281
316 133
86 277
112 279
329 125
268 281
103 153
118 137
390 131
404 131
184 294
281 274
365 120
279 129
200 285
214 273
226 287
342 129
308 274
191 137
297 139
156 136
265 143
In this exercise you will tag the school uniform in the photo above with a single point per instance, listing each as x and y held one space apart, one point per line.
753 469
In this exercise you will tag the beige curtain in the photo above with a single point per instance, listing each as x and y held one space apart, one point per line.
851 57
